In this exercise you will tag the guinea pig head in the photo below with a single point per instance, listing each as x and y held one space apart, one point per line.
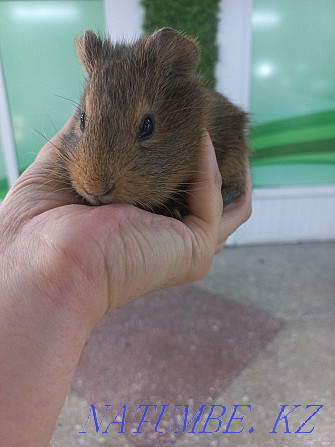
139 125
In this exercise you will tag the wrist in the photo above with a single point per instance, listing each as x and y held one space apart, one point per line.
40 346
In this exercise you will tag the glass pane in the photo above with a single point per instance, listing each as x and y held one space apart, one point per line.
40 62
293 92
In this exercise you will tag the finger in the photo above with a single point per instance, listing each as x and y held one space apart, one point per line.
206 206
205 201
235 214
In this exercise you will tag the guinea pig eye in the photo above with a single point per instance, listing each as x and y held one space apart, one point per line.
147 128
82 121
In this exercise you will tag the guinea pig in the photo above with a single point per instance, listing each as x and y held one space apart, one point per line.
137 132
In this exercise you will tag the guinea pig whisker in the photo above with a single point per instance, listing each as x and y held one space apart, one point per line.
32 153
48 140
191 183
65 157
66 189
41 134
190 194
151 208
52 123
60 173
47 182
198 172
58 177
191 191
143 205
167 208
184 108
148 207
67 99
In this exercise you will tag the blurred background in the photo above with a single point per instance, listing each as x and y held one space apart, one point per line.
274 58
259 329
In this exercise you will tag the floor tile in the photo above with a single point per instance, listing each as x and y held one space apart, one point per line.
177 346
290 281
296 368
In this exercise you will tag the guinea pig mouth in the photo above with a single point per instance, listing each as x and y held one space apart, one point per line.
97 199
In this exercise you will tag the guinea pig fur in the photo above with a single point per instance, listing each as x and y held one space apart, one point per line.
137 133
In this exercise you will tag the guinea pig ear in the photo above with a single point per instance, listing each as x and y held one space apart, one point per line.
179 51
89 47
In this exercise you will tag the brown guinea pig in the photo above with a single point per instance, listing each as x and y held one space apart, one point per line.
138 129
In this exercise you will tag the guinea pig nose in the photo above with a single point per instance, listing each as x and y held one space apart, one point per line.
105 192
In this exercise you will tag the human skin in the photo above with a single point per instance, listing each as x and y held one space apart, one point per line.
63 266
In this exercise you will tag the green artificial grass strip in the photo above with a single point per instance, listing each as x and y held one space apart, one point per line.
303 129
321 150
196 18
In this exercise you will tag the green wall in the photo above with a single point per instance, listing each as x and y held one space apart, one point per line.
39 63
293 92
292 76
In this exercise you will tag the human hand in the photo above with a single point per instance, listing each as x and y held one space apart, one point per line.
64 265
109 255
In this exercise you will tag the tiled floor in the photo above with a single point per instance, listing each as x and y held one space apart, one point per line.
259 331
